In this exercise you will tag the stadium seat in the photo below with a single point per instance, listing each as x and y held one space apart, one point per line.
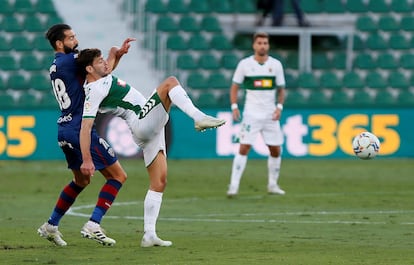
189 23
378 6
20 42
359 44
385 98
196 80
407 23
6 7
208 61
8 63
242 42
320 60
362 98
4 44
352 80
405 98
48 100
407 61
387 61
397 79
166 24
356 6
210 24
318 98
388 23
376 42
198 42
24 6
334 6
17 81
45 6
218 80
308 80
186 61
398 42
330 80
40 82
221 6
197 6
338 60
2 85
292 60
177 6
366 23
291 81
312 6
220 42
375 80
40 43
33 23
7 101
206 100
364 61
52 19
10 23
30 62
340 99
176 42
295 98
400 6
243 6
229 60
28 101
156 6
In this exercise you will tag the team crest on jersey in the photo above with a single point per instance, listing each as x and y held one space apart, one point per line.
121 82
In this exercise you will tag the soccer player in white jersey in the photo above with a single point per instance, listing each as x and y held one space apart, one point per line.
146 119
263 79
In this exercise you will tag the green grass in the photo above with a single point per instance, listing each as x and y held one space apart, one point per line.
334 212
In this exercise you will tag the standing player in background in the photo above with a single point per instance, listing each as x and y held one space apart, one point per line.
146 119
263 78
67 87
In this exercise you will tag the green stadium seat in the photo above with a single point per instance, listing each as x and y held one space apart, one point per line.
338 60
330 80
242 42
166 24
243 6
362 98
6 7
388 23
376 42
177 6
196 80
28 101
405 98
387 61
10 23
340 99
378 6
292 60
291 81
398 42
334 6
385 98
318 98
294 98
320 60
197 6
400 6
52 19
208 61
308 80
33 23
40 82
407 61
397 79
356 6
366 23
198 42
20 42
2 85
4 44
407 23
229 60
217 80
375 80
352 80
220 42
189 23
156 6
176 42
312 6
17 81
24 6
45 6
359 44
364 61
40 43
48 100
210 24
7 101
30 62
206 100
221 6
186 61
8 63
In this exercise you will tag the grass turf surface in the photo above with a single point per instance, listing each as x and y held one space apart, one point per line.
334 212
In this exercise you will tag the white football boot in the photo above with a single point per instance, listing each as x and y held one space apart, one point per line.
94 231
208 122
51 233
152 240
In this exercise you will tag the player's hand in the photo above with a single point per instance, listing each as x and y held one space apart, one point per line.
276 114
87 168
125 46
236 115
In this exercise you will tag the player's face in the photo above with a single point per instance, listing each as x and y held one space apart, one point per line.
261 46
70 43
100 66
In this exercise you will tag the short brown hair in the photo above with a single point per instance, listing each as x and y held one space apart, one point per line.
260 35
85 58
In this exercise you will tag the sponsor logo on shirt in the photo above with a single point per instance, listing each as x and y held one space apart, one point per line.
263 83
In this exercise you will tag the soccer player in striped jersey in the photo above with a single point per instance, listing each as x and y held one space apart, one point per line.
146 119
263 79
68 89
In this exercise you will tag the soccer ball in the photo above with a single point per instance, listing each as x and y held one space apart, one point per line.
366 145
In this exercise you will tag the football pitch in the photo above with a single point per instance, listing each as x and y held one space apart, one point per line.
334 212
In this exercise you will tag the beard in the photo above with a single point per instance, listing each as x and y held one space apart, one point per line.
70 50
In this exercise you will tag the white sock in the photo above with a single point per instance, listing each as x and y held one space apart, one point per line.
239 164
273 166
152 206
180 98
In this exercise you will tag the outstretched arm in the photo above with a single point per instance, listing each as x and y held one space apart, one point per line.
115 53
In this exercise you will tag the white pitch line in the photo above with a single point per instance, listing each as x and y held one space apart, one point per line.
73 211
